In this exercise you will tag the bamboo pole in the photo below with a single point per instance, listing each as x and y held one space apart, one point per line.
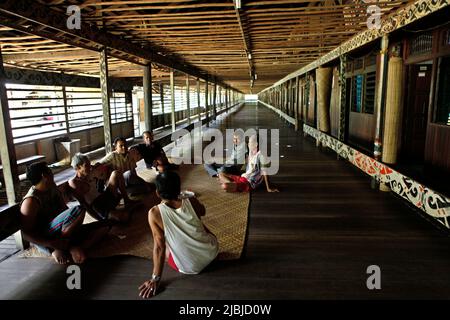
323 83
393 117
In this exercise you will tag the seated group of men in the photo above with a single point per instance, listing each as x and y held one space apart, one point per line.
53 227
175 223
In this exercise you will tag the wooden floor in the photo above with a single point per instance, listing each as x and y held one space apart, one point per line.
7 248
314 240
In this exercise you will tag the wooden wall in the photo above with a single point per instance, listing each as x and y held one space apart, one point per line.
361 130
437 147
90 139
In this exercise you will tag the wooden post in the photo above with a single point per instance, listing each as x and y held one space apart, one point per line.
226 99
286 102
379 111
161 97
206 103
188 100
198 101
8 153
104 84
219 95
286 88
172 99
280 97
129 103
215 101
7 148
66 110
342 97
291 98
148 103
296 103
380 97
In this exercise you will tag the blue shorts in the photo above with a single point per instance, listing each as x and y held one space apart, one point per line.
64 220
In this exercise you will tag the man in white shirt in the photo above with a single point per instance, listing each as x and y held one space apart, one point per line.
234 164
177 231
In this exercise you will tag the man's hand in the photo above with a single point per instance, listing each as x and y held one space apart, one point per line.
272 190
148 289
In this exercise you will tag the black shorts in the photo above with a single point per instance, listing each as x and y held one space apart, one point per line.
105 203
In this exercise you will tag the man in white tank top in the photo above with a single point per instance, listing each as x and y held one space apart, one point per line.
176 225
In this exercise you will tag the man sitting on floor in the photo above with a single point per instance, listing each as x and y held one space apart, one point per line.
237 159
122 161
99 200
153 153
253 176
48 222
177 223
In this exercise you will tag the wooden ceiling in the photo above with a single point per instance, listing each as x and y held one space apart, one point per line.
264 39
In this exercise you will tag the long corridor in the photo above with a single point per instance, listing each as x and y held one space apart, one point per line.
313 240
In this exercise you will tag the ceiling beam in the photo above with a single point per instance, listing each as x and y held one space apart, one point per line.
38 19
243 27
390 23
58 55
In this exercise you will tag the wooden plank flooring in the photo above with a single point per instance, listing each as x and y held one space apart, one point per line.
7 248
314 240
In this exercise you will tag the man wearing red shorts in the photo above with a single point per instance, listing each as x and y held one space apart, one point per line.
253 176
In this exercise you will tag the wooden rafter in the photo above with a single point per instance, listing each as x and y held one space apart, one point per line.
15 11
204 36
244 31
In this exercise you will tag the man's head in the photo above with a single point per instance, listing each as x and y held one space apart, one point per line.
237 137
148 137
253 143
81 164
39 172
168 185
120 145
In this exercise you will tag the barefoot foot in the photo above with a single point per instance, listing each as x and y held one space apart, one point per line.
78 255
60 257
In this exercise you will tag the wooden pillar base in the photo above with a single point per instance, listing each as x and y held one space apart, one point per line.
21 243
